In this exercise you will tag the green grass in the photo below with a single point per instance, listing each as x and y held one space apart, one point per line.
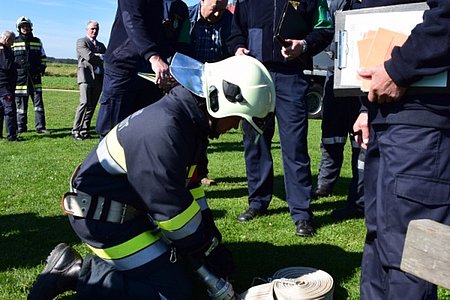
61 69
60 82
36 171
60 76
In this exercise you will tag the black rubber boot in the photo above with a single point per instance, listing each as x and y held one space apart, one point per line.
60 274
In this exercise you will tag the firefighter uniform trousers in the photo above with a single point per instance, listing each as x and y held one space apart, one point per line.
33 89
140 267
338 117
402 182
291 113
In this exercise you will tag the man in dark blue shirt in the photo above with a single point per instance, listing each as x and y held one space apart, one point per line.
407 166
306 32
8 75
137 44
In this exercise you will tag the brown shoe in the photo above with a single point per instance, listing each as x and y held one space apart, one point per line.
207 182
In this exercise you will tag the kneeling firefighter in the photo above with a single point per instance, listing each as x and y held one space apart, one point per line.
136 200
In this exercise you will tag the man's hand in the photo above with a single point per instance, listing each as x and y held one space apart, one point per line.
294 50
361 130
242 51
382 88
161 70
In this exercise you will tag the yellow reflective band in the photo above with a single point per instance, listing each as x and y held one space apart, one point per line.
21 87
198 192
191 170
35 44
129 247
182 219
115 149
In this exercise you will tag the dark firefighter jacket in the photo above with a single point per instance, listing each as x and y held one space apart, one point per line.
8 72
31 62
149 162
255 24
426 52
136 35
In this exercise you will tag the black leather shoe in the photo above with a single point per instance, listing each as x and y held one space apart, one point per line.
347 212
320 192
250 214
305 228
77 136
60 274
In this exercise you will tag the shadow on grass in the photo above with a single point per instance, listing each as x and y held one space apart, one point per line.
55 133
262 260
230 194
220 146
340 190
27 239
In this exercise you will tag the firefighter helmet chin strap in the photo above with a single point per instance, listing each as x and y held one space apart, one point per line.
213 134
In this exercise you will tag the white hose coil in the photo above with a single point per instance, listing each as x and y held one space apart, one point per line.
294 283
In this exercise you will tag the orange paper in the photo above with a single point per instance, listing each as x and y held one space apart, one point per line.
376 48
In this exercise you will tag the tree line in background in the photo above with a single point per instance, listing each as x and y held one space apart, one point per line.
62 60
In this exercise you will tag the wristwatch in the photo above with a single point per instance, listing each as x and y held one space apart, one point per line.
304 46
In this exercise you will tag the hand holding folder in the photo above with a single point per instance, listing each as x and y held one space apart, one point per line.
375 48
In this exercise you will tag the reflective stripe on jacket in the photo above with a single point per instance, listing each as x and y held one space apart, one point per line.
149 161
31 61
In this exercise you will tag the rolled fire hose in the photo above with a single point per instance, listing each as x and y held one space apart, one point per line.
293 283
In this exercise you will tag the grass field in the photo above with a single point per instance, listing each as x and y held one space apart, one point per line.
35 173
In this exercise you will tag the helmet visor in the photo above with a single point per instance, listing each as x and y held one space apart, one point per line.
188 72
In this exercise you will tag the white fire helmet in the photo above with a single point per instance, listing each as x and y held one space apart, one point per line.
23 20
237 86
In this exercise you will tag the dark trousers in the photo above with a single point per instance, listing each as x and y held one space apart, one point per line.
158 279
338 117
291 114
407 176
123 94
22 109
89 95
8 114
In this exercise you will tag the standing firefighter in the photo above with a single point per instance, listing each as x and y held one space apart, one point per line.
31 63
136 201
